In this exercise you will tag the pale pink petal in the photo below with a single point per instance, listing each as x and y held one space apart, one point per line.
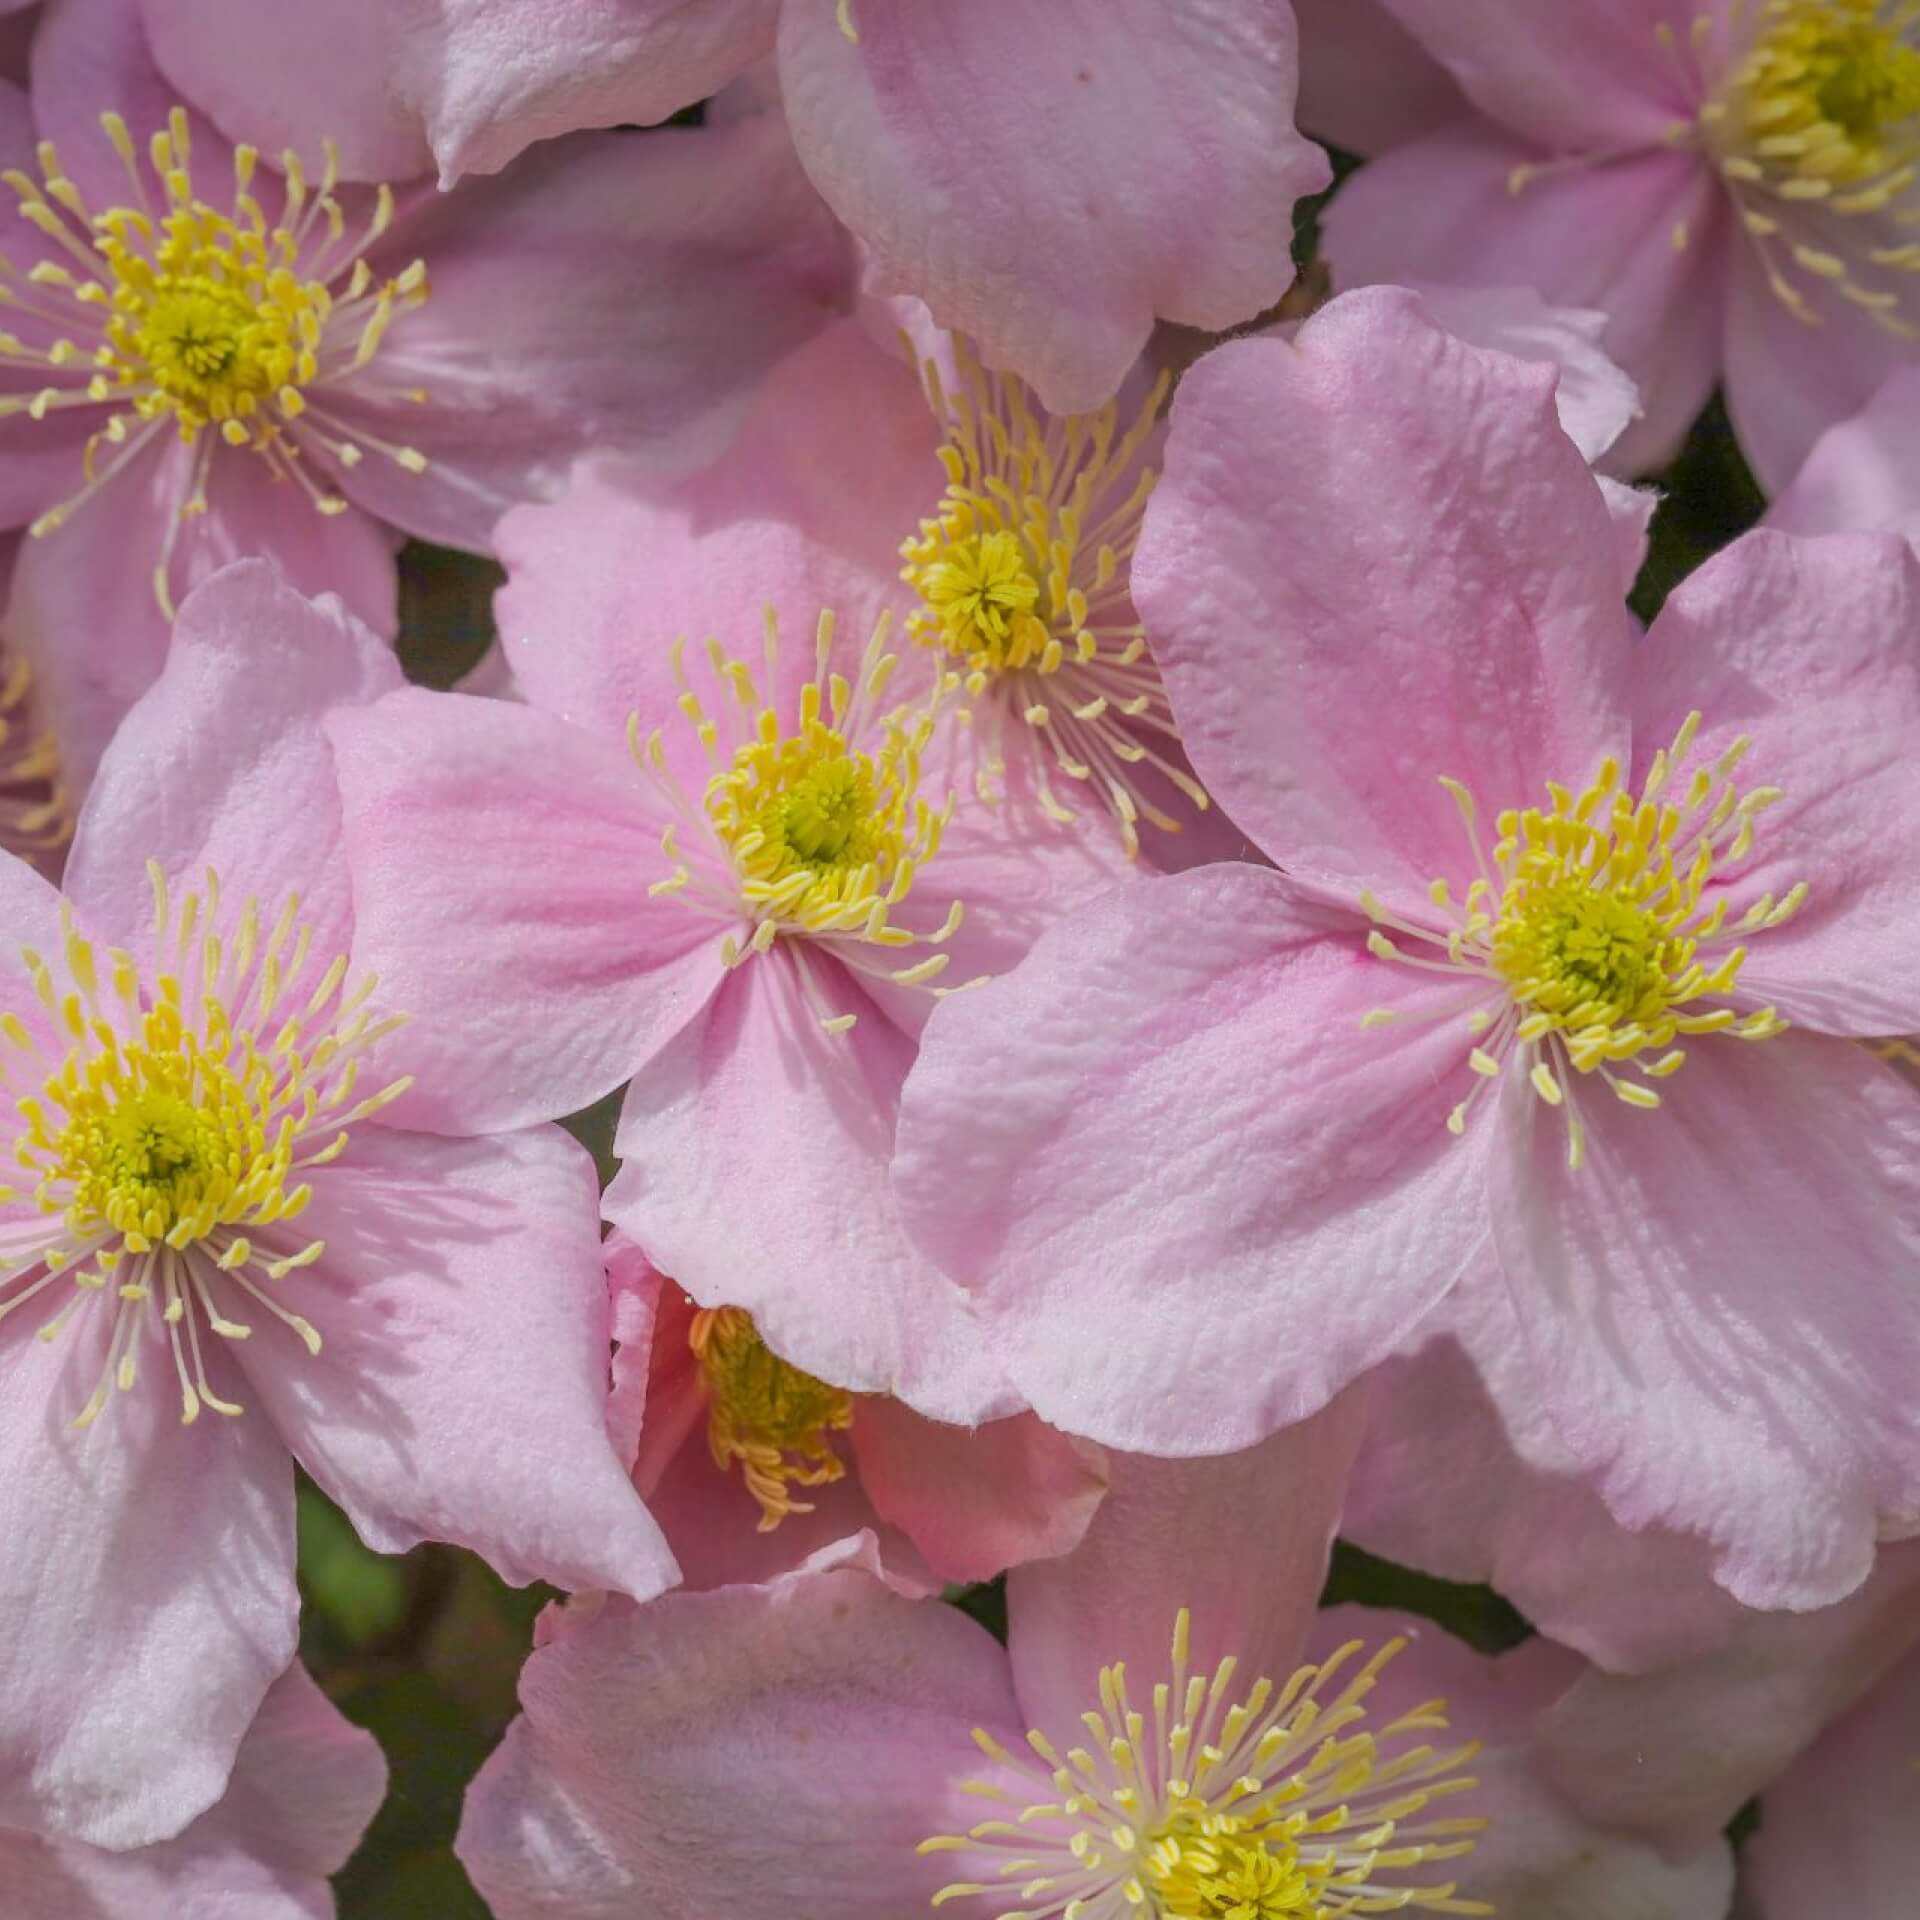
460 1391
1632 509
1091 165
1589 74
755 1150
1365 82
491 76
637 1291
501 861
1536 1859
1444 209
1160 1541
1725 1350
1477 598
609 292
1810 649
1863 475
1500 1502
842 1711
1837 1829
1674 1755
222 762
1190 1153
978 1500
147 1598
279 73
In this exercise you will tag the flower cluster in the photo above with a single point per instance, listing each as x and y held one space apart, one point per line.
1134 1069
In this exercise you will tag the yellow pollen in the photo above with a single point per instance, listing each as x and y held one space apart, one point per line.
772 1418
1598 933
165 1153
1021 579
1208 1801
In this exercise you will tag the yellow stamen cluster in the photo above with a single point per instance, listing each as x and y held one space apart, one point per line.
1276 1805
208 319
812 825
776 1421
1599 934
1021 578
35 816
165 1149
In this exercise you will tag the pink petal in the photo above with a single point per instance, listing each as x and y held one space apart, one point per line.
977 1500
1135 1209
222 762
1444 209
1673 1756
755 1150
1664 1291
843 1710
1590 74
1837 1829
1477 599
1365 82
607 293
461 1390
1095 164
280 74
1159 1542
1501 1501
491 76
147 1598
538 972
1832 724
1864 474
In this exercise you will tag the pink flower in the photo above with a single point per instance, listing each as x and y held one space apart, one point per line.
221 1256
749 1464
1049 180
1863 475
305 1784
820 1743
212 355
1729 182
36 814
736 882
1542 878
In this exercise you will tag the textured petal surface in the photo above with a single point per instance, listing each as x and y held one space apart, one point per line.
1726 1351
1094 163
1165 1178
1864 474
842 1708
1328 666
461 1391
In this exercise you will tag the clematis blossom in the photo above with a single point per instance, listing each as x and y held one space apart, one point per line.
215 351
1863 475
749 1464
222 1257
1575 937
1731 183
305 1785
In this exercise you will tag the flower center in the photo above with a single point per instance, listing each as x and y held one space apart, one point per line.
1275 1804
772 1418
812 826
1598 933
166 1149
1021 577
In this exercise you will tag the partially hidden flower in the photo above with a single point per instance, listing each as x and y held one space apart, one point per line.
749 1464
1575 938
305 1785
1863 475
221 1257
213 351
36 811
1732 183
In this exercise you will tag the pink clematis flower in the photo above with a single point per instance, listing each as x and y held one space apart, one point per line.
212 353
819 1743
1732 183
749 1465
1093 163
222 1257
305 1784
1863 476
1574 941
36 814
